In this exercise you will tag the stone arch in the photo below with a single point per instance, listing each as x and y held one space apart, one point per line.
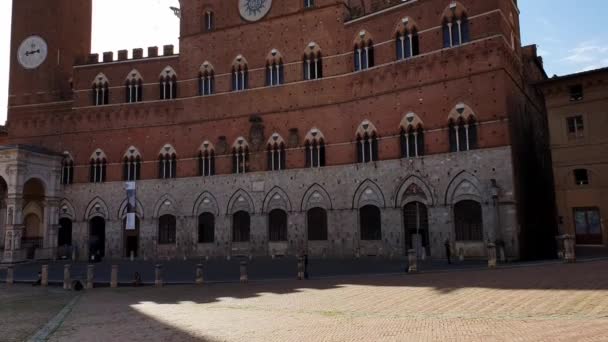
122 211
36 178
464 186
414 189
454 10
205 203
368 193
366 127
362 38
34 208
240 201
316 196
239 63
207 68
97 207
166 205
411 120
405 24
277 198
66 210
100 80
168 72
312 50
134 75
461 111
274 56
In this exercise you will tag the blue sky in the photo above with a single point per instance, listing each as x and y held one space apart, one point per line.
569 33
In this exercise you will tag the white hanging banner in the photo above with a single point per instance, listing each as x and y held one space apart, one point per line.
131 205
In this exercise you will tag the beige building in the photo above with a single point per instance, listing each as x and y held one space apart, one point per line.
577 105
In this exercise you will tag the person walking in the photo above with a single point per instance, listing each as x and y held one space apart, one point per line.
448 251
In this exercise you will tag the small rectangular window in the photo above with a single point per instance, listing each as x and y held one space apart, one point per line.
581 177
309 3
576 126
576 92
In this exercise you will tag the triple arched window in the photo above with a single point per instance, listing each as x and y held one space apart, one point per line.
168 84
167 163
312 62
276 153
240 156
98 167
206 160
367 143
462 129
67 170
134 91
364 52
412 136
407 42
206 84
240 74
315 149
131 167
101 90
274 69
455 27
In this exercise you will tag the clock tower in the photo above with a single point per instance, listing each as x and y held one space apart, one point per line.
47 39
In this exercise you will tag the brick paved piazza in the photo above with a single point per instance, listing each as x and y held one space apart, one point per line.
554 302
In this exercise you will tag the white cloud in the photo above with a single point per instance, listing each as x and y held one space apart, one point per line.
588 55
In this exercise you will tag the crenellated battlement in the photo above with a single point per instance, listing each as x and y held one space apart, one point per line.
136 54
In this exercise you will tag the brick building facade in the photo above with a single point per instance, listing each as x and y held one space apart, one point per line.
329 126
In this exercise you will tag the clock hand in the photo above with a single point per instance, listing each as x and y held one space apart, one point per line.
28 53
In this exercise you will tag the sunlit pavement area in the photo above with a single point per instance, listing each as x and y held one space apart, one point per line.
549 302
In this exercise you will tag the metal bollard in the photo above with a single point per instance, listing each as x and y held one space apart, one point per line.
300 268
90 276
10 275
44 282
158 275
413 261
569 251
199 274
114 277
244 277
491 255
67 281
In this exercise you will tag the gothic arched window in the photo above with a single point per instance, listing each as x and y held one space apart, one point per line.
206 85
462 129
131 165
168 84
206 160
167 163
67 170
274 69
407 42
315 149
367 143
240 156
240 74
455 26
276 153
312 62
134 87
364 52
98 167
101 90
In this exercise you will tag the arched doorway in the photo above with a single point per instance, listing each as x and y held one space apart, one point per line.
64 235
317 224
371 223
130 239
32 238
206 228
277 226
241 224
97 238
468 221
33 212
416 225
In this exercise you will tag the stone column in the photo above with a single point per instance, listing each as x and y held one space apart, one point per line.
158 275
199 274
44 276
67 282
10 275
90 276
413 261
300 268
244 278
13 230
491 255
114 277
569 251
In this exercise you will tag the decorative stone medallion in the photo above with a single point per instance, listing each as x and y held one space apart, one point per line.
254 10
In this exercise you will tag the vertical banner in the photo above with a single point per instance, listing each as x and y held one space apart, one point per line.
131 206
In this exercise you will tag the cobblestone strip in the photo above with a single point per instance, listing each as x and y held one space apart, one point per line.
46 331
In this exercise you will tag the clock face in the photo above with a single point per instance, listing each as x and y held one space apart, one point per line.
32 52
254 10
